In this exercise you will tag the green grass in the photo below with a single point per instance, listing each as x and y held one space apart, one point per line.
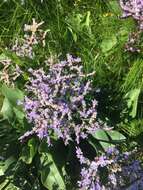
92 30
89 29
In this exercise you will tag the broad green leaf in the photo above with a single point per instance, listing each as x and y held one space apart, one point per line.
19 115
60 159
106 145
29 151
101 135
108 43
116 136
6 110
12 94
101 138
50 175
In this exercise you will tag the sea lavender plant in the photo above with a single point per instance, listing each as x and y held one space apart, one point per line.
132 44
121 170
57 104
133 8
32 37
9 72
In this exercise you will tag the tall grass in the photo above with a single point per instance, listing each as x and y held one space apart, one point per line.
94 31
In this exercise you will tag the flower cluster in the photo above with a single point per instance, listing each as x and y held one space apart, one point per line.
111 171
132 44
133 8
57 102
33 37
9 73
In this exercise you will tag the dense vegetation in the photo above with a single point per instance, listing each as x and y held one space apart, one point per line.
71 83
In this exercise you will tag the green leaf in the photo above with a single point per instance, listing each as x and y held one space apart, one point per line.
100 138
106 145
12 94
101 135
59 159
29 151
116 136
19 115
6 110
10 107
108 43
50 175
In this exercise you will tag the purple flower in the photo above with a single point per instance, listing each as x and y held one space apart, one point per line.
79 155
56 101
134 9
121 172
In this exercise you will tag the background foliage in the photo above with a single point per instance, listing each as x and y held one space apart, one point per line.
92 30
